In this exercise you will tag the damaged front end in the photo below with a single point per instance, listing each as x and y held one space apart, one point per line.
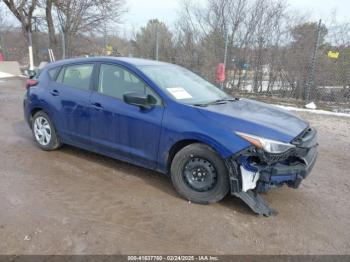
255 170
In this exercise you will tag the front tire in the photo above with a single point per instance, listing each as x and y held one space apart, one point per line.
199 174
44 132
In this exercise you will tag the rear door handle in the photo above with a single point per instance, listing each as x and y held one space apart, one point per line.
55 92
97 106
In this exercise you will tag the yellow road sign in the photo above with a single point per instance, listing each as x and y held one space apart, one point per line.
333 54
109 49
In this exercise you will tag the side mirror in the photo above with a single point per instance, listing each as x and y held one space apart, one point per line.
137 99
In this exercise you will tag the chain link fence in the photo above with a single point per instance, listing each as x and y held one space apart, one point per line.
297 73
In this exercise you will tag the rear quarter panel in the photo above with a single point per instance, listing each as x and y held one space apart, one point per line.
39 97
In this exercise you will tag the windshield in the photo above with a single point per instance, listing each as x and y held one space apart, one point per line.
183 85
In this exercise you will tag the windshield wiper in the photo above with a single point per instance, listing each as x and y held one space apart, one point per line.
217 102
222 101
201 105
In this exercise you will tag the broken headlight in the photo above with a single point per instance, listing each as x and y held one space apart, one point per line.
270 146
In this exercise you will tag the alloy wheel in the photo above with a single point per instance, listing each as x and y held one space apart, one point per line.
42 131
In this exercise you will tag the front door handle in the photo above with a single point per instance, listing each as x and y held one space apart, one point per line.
97 106
55 92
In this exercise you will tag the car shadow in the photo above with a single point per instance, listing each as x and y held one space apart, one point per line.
150 177
160 181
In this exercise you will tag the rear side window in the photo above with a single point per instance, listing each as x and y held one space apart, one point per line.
77 76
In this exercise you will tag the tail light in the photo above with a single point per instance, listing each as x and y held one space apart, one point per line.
31 82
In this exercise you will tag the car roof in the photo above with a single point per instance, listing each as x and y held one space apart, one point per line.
128 60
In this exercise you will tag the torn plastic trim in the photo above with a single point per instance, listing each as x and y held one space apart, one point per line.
307 138
290 172
237 166
233 165
294 167
234 175
256 203
290 168
249 173
249 179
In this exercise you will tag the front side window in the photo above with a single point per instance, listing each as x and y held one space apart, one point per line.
183 85
116 81
77 76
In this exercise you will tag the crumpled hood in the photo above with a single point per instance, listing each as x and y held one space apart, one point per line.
256 118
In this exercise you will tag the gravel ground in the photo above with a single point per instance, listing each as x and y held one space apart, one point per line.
74 202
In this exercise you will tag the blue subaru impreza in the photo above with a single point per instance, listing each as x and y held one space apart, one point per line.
164 117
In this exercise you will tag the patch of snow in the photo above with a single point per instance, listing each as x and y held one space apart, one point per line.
318 111
27 238
5 75
311 105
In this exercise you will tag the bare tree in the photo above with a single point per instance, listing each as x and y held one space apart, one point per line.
82 16
155 36
23 10
50 23
208 27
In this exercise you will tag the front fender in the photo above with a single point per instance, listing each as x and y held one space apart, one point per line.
224 146
221 149
186 123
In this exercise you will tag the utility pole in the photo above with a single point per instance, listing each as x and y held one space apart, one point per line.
63 44
30 49
2 46
225 55
310 83
157 43
226 45
105 35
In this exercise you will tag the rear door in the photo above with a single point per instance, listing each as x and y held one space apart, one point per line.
124 130
73 89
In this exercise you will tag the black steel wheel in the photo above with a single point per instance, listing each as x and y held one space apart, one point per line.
199 174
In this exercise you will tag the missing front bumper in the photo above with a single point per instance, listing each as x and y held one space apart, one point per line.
291 174
290 170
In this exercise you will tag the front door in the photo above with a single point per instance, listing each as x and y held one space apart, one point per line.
120 129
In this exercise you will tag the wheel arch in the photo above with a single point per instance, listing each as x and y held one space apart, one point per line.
37 109
176 148
32 112
178 145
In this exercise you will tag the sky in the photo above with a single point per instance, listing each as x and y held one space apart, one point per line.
140 11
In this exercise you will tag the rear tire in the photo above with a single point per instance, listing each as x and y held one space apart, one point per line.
199 174
44 132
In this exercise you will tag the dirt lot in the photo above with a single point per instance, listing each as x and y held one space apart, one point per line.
74 202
